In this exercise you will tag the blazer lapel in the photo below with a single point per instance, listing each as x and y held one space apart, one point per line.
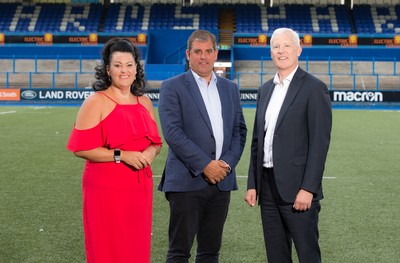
293 89
198 99
226 110
225 105
265 97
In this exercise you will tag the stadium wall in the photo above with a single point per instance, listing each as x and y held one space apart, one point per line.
157 52
322 53
168 47
163 52
75 97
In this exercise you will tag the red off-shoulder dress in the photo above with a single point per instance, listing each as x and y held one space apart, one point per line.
117 198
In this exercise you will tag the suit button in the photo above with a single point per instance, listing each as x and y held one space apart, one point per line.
213 153
212 136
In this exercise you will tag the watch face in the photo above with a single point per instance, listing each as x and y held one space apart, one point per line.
117 155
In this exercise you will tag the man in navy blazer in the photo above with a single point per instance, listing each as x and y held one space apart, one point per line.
289 147
203 124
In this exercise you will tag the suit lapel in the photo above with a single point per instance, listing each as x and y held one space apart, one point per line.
226 110
198 99
293 89
225 105
265 96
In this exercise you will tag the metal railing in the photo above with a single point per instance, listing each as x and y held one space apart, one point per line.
334 81
46 79
350 73
78 73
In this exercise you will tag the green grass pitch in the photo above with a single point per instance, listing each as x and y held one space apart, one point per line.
40 192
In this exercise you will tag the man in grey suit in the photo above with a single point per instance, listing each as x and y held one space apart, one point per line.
203 125
290 143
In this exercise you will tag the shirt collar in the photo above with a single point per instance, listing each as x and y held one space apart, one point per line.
288 78
197 77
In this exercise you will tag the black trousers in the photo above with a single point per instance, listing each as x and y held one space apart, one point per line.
199 214
282 225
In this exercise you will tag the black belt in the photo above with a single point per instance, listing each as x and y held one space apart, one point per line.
268 169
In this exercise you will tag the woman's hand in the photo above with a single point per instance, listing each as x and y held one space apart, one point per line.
150 153
136 159
140 160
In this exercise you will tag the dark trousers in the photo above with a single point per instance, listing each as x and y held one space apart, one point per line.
282 225
201 214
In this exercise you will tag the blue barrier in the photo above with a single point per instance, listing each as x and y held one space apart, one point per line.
75 97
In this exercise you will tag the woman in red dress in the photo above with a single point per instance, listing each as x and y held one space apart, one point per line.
115 131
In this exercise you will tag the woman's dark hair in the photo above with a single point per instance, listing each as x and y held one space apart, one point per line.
103 81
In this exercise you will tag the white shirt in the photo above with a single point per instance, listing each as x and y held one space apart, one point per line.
271 115
211 99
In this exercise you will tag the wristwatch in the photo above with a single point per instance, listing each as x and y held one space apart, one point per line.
117 155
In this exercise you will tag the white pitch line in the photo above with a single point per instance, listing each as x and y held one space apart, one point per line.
39 108
7 112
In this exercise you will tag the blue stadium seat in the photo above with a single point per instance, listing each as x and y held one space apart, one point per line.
302 18
50 17
375 19
79 16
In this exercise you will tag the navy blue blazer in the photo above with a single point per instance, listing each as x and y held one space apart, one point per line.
187 130
301 138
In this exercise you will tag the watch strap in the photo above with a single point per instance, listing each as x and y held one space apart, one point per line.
117 155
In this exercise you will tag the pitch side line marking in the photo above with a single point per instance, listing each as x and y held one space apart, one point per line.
7 112
39 108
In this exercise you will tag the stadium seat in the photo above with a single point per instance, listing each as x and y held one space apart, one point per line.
124 16
50 17
377 19
302 18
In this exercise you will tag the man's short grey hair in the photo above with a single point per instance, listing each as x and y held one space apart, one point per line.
283 30
201 36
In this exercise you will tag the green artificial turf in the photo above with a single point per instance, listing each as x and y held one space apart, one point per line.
40 192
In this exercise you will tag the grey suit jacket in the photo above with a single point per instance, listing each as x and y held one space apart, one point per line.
301 138
187 130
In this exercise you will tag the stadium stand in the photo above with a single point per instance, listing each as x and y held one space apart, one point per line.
248 18
304 18
377 19
226 18
126 18
49 17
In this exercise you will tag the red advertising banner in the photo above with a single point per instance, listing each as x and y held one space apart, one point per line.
10 95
